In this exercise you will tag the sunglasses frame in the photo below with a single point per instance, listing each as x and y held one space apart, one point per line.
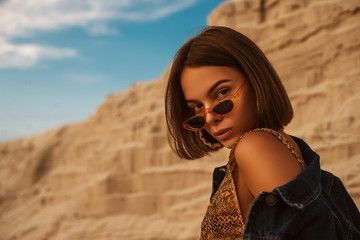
233 98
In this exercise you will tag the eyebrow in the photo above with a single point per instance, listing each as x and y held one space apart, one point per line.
212 88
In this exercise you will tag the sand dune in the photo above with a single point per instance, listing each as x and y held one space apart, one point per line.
113 176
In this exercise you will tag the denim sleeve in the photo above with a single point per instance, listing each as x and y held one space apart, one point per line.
319 220
281 221
341 199
333 215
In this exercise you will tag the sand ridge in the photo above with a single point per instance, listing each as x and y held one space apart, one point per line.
113 176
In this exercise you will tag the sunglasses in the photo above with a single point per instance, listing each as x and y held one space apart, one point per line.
221 109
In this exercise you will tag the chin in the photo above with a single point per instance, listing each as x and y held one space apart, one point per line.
228 143
228 147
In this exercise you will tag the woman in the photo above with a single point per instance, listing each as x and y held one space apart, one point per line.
222 91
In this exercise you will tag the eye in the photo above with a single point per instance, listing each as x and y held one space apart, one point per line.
196 108
222 93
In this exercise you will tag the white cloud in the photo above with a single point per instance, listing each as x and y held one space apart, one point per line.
26 55
21 18
100 28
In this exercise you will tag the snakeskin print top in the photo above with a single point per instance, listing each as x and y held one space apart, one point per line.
223 219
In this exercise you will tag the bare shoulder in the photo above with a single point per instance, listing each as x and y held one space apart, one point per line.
260 143
265 162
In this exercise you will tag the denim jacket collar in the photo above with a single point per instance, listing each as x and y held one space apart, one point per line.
303 190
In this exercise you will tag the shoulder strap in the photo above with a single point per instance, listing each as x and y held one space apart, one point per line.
281 138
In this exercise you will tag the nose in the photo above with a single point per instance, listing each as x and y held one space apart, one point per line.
211 118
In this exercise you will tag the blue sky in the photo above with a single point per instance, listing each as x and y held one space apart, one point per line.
60 59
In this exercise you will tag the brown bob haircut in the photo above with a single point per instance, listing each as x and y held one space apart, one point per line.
222 46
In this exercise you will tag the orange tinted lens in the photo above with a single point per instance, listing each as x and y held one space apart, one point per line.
197 122
223 107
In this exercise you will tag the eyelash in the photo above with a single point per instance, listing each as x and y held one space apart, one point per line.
227 90
196 106
221 91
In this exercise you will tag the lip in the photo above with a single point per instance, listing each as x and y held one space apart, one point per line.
223 134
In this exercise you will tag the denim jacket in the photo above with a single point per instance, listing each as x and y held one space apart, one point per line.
315 205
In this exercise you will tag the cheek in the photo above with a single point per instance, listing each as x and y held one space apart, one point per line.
207 128
246 113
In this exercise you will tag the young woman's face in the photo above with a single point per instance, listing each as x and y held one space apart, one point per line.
205 86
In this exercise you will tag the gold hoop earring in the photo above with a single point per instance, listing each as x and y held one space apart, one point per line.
205 138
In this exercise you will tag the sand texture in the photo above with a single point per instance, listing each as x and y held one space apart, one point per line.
113 176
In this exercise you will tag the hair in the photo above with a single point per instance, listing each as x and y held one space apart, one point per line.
222 46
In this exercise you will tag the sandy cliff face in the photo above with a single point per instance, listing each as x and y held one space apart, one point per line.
113 176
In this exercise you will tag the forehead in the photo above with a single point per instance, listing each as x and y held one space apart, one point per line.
196 81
